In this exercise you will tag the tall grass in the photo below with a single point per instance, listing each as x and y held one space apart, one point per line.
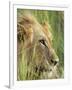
56 21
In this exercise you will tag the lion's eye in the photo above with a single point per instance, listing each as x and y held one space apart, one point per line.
43 42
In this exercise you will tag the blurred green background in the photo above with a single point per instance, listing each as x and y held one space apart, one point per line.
56 21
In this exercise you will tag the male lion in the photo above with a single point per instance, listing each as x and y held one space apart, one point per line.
36 58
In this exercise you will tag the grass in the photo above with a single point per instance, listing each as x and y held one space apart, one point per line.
56 21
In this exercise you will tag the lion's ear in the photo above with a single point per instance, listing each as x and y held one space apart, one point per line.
46 30
26 32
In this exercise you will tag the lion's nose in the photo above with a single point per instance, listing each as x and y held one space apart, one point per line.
54 58
55 62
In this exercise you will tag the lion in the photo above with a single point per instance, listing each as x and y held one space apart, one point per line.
36 58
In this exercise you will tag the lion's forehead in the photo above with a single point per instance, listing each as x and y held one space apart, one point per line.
38 31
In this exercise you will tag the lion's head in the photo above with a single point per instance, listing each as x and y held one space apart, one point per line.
34 43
